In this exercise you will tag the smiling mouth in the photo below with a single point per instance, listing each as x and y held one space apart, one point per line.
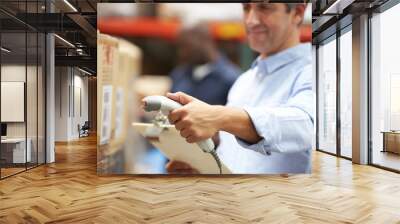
257 32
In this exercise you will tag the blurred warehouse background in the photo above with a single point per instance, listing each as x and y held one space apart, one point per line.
154 28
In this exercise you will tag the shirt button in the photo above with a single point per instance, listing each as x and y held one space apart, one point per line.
268 153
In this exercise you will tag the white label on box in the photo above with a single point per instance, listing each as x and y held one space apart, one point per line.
106 115
119 111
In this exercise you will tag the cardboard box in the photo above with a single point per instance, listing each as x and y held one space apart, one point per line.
118 63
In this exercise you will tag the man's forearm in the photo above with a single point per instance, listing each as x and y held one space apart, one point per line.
237 122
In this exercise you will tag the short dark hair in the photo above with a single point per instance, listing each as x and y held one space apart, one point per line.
291 6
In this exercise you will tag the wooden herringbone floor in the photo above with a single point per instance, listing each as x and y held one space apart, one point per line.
69 191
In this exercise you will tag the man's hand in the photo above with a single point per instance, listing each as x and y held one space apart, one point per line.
196 120
178 167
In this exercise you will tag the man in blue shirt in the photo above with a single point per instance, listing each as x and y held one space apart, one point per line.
267 124
202 67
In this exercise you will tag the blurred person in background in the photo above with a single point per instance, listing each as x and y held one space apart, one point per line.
267 125
204 72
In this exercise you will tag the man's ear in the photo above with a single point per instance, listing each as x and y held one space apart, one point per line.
299 13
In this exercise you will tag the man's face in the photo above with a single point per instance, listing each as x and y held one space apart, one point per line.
190 50
268 26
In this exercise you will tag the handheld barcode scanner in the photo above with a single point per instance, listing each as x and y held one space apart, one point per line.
166 105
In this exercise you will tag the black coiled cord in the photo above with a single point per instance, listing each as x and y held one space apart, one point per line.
214 154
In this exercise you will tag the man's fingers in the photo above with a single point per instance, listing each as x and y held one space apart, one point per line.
173 96
184 98
185 133
180 97
169 167
179 167
176 115
192 139
181 124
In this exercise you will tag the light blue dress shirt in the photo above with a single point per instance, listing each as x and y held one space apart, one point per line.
277 94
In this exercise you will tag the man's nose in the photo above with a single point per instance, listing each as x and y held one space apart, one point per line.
252 18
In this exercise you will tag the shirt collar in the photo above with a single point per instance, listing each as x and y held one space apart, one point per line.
270 64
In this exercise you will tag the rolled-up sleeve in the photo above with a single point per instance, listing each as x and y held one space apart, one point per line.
284 128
